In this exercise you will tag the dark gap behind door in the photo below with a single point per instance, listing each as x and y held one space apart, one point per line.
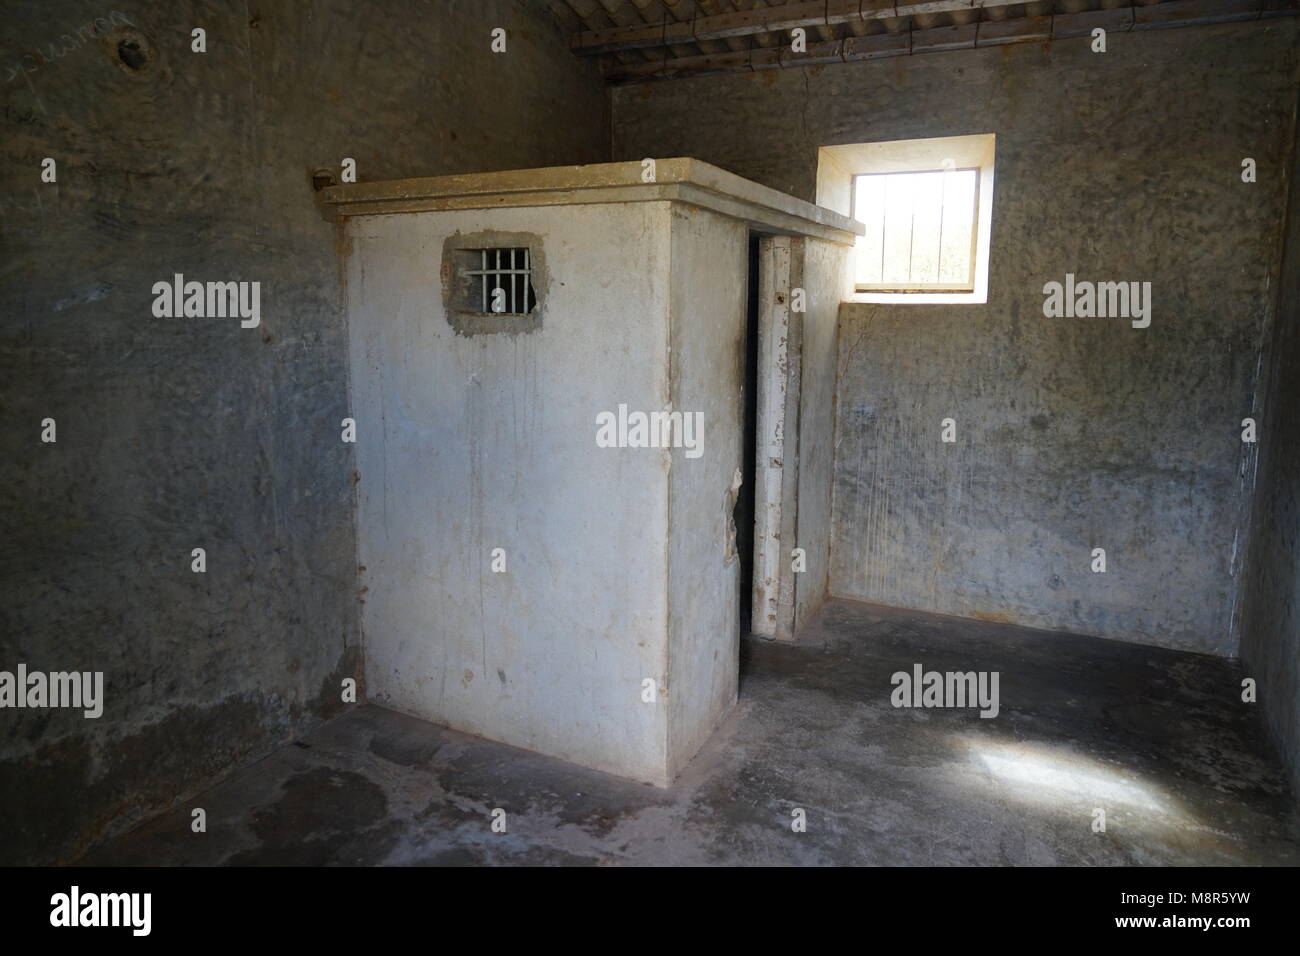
744 511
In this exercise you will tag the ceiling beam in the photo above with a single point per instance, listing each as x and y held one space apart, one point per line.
1153 16
742 23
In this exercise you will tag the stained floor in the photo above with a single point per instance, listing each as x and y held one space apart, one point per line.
1160 740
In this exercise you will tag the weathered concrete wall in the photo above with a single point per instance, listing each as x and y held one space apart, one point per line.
183 433
468 443
1270 595
709 263
1072 433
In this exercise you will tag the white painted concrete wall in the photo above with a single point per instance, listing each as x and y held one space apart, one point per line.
709 268
466 444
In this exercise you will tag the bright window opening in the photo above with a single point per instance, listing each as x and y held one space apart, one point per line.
920 231
926 206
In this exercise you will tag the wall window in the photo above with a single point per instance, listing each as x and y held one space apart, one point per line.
500 280
927 209
920 231
494 282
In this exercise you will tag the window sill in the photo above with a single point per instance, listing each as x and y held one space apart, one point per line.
920 298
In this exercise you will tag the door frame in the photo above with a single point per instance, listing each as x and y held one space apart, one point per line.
776 459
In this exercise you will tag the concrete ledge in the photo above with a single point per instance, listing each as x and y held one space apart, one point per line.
676 180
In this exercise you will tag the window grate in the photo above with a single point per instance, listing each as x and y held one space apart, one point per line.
507 270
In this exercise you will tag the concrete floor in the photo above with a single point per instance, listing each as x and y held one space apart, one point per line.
1158 738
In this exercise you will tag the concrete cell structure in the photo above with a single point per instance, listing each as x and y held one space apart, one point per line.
478 450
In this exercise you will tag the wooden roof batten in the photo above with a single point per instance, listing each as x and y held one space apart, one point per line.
854 30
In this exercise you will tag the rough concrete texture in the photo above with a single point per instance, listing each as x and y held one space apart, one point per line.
182 433
1073 434
1157 738
1270 600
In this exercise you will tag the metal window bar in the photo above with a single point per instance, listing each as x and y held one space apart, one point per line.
512 279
